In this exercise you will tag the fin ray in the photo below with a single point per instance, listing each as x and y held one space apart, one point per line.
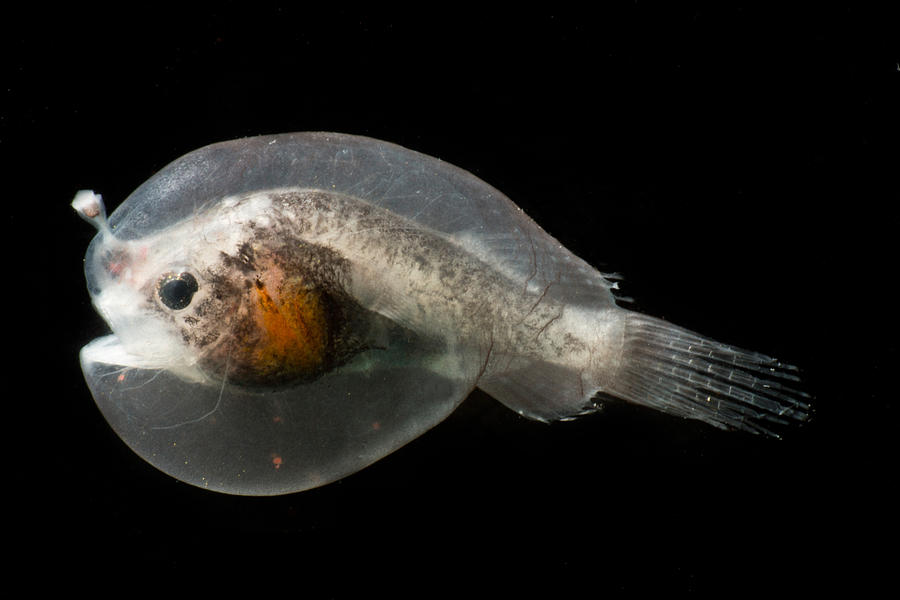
680 372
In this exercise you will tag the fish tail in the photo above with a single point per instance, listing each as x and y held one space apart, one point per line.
680 372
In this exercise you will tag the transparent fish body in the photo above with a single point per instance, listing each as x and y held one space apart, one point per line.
286 310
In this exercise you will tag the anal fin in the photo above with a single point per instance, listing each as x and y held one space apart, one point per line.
541 390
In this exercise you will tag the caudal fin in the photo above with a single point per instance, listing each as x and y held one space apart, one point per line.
679 372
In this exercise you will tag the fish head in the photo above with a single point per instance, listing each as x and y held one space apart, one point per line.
223 296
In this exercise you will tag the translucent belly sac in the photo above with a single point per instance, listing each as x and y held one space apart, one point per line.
286 310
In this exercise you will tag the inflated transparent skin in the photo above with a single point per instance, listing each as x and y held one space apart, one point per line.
229 439
286 310
290 436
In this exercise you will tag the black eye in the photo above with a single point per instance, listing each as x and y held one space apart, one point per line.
176 290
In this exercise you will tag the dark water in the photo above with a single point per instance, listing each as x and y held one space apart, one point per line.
737 167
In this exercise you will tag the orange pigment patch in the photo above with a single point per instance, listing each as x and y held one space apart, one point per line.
295 329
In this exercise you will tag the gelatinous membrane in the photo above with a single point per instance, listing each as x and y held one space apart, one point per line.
255 440
243 441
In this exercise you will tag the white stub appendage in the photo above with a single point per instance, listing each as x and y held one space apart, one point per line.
90 207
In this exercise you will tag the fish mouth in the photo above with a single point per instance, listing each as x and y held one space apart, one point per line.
110 350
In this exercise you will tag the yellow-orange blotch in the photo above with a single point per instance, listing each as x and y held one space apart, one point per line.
295 333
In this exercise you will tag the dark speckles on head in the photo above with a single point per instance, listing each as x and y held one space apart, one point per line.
275 311
200 310
242 260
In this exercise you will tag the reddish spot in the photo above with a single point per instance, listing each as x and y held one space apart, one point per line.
276 419
376 425
121 377
276 461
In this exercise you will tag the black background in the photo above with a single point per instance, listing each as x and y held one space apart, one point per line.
737 165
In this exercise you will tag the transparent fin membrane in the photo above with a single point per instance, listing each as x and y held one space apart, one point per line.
679 372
